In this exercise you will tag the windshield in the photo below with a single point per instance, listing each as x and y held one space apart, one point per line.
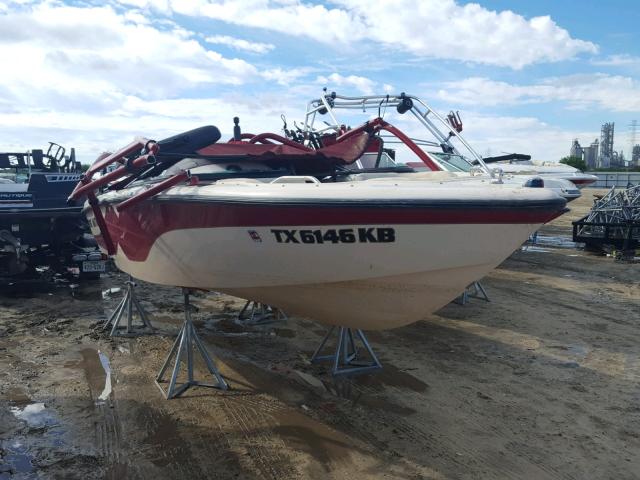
452 162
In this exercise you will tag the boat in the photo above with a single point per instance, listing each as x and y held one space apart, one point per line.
37 226
545 169
284 221
563 187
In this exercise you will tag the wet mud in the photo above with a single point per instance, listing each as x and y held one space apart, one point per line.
541 382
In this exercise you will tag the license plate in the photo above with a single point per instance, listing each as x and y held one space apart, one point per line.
94 266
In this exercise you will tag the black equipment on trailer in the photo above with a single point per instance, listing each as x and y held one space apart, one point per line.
37 226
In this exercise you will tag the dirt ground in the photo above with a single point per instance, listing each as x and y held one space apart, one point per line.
541 382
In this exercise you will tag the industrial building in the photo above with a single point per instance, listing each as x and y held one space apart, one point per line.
590 154
606 145
576 150
600 153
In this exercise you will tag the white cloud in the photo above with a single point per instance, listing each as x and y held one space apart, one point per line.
492 135
74 70
67 57
285 76
610 92
511 134
160 5
93 133
440 29
94 77
621 60
240 44
361 84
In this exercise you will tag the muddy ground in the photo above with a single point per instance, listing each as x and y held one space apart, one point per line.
542 382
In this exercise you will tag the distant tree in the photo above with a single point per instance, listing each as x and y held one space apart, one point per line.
575 162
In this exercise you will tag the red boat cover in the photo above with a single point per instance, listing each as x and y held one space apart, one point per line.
346 151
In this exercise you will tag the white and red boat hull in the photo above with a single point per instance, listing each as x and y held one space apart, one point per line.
370 264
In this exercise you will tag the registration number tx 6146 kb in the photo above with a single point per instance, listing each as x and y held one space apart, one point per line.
333 235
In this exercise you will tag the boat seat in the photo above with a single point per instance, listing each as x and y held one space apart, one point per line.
191 141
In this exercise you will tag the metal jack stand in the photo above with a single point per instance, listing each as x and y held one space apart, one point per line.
183 347
128 303
256 313
475 290
345 359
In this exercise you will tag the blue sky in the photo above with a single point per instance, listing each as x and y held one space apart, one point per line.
526 76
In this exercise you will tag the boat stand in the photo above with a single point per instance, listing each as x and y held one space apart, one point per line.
475 290
346 360
256 313
129 306
182 351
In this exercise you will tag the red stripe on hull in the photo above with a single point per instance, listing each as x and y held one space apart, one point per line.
136 229
581 181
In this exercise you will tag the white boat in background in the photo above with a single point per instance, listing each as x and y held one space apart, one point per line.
287 222
566 189
547 171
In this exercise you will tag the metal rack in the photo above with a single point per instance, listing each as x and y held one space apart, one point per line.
614 220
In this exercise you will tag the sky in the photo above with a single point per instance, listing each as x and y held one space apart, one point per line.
526 76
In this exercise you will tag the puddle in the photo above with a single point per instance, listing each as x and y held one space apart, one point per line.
104 360
533 248
44 426
549 241
35 415
16 459
555 241
97 371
